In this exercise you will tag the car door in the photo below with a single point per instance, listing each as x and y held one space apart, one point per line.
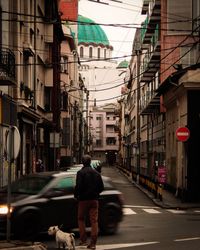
61 207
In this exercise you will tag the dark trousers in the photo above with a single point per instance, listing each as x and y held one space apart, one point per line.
89 207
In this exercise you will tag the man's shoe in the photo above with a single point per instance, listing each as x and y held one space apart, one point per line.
91 247
83 244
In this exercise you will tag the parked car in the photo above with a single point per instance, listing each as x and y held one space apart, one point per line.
96 164
44 199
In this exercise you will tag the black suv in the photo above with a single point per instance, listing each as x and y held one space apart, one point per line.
44 199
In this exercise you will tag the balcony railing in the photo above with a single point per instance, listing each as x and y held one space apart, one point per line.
153 17
151 60
149 102
7 67
145 6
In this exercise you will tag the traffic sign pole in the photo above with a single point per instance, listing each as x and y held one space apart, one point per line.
11 150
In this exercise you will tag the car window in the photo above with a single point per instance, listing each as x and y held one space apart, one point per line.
29 185
66 184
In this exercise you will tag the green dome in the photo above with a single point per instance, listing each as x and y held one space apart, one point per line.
123 64
91 33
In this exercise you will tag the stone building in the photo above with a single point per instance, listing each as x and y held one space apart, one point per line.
30 82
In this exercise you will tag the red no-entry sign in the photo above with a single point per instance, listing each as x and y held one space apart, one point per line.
183 134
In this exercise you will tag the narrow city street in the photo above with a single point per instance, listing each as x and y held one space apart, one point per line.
145 225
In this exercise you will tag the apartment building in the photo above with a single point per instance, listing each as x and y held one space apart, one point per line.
71 88
179 89
165 91
104 136
30 82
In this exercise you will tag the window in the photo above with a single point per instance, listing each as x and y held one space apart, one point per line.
110 129
66 132
104 53
64 64
110 140
47 98
196 13
182 10
81 52
99 54
98 142
26 71
90 52
191 55
66 185
64 101
98 118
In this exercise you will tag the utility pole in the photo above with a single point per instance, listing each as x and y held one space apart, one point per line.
87 120
138 52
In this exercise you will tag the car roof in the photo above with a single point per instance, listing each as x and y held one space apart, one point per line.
59 174
51 174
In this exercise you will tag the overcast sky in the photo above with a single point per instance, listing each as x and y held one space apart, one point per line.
126 12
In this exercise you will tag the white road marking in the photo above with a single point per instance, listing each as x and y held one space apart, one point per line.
151 211
174 211
187 239
128 211
116 246
140 206
197 211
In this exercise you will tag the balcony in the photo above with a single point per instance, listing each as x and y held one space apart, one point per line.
7 67
149 103
151 60
153 18
145 6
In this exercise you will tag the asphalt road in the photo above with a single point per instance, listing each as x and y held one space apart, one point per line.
146 226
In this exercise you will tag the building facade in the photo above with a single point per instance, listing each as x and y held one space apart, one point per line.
72 88
104 135
162 97
30 83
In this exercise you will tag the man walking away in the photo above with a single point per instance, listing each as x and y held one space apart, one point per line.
89 185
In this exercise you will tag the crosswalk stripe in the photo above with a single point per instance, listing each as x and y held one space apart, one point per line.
140 206
175 211
188 239
128 211
151 211
125 245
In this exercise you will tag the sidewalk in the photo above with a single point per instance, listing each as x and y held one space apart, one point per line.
168 199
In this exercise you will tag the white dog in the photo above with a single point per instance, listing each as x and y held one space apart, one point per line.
62 238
